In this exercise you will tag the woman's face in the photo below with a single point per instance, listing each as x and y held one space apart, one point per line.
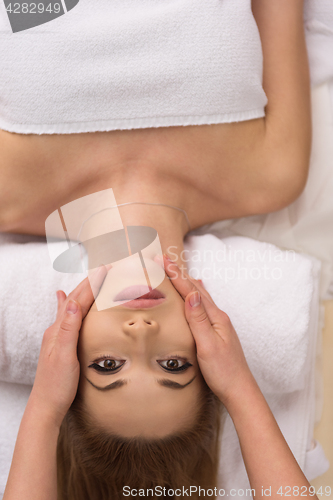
139 372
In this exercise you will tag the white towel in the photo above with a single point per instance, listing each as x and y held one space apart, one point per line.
127 64
28 277
318 22
124 64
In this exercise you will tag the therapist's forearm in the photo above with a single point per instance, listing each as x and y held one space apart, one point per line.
33 473
268 459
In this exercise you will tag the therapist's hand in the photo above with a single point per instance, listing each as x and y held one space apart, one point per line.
219 351
58 368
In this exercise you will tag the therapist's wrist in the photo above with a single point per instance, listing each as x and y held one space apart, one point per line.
243 398
39 413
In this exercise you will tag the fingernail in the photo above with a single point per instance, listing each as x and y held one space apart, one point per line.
170 260
72 307
58 295
200 281
195 299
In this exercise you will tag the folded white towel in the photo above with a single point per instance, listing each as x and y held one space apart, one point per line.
257 306
318 22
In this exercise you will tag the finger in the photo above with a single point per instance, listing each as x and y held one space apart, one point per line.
200 286
83 293
179 280
69 328
87 291
197 318
216 317
183 283
83 285
61 297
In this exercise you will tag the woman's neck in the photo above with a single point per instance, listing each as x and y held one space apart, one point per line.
171 224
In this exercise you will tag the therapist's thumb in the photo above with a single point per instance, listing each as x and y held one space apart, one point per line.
70 325
197 316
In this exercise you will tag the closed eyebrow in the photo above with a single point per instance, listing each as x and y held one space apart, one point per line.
164 382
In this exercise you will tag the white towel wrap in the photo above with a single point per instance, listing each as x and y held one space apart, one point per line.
132 64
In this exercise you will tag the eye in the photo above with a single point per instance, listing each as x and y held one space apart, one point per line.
174 364
107 365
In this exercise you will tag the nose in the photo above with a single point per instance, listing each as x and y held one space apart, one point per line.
140 325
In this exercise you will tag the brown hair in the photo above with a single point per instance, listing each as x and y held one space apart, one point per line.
96 465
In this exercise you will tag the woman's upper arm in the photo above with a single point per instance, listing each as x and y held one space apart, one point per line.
287 142
286 70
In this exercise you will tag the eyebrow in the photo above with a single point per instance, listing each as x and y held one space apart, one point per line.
174 385
164 382
114 385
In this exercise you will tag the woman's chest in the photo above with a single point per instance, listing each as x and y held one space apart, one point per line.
202 168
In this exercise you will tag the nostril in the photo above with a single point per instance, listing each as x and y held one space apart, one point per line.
146 321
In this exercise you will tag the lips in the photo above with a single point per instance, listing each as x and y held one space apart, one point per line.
137 297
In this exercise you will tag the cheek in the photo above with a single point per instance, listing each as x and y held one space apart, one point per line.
83 343
82 391
183 331
80 349
83 336
93 334
85 349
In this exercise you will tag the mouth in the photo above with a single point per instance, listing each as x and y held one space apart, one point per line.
139 297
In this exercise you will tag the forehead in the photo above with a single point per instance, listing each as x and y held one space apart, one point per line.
143 407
